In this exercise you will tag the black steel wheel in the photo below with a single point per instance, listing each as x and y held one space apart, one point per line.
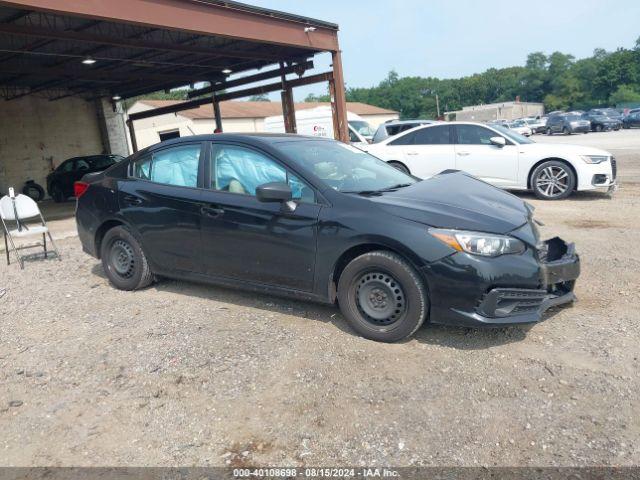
123 260
382 296
553 180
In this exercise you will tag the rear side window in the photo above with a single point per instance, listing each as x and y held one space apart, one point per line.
403 140
474 135
171 166
432 136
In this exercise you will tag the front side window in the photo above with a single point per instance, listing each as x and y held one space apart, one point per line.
432 136
241 170
343 167
172 166
474 135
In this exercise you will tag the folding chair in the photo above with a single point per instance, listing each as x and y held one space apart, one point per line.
17 209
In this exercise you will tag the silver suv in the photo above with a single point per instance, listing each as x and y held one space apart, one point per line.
394 127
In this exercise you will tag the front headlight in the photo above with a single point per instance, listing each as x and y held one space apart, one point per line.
594 158
478 243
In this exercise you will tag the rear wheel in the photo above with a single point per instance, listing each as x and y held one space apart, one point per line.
123 260
400 166
57 193
382 296
566 131
598 128
553 180
549 132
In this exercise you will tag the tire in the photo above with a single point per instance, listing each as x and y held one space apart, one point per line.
542 180
598 128
33 190
57 193
626 126
549 132
400 166
123 260
364 289
566 131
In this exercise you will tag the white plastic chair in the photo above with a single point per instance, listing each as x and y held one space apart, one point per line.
16 210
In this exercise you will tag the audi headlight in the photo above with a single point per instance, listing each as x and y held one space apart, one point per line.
594 158
478 243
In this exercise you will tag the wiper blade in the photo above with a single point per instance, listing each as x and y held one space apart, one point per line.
380 190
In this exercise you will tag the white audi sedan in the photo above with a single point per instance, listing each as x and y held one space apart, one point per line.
499 156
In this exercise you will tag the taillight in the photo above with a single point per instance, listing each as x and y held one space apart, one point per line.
79 188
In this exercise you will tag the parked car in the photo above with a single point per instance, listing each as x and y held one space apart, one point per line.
394 127
600 122
499 156
567 124
521 127
607 112
317 219
631 120
537 125
60 181
363 128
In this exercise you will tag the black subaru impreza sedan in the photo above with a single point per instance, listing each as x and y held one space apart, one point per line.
321 220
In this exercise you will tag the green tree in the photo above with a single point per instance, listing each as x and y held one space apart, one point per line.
624 94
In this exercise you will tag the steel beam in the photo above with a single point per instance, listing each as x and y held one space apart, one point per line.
299 67
273 87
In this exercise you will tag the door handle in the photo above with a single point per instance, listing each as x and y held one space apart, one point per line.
463 154
132 200
211 211
412 153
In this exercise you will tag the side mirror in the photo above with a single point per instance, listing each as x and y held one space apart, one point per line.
274 192
498 141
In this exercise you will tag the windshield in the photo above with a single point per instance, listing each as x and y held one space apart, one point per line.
362 127
573 118
511 135
344 167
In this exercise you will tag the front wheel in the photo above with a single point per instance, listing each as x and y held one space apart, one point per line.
549 132
566 131
123 260
382 296
57 193
598 128
553 180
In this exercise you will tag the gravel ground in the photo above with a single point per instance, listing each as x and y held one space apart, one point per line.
187 374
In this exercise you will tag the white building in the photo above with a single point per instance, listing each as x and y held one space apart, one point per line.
237 116
496 111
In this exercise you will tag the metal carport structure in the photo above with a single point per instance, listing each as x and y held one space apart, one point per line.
100 50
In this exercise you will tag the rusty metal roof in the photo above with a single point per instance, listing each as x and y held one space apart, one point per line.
59 48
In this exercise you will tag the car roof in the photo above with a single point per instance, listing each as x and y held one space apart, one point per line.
254 138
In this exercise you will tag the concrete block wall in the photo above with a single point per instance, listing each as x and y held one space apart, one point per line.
37 134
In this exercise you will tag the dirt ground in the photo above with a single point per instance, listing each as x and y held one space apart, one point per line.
187 374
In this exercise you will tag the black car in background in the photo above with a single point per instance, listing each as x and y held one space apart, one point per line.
631 120
600 121
567 123
321 220
60 181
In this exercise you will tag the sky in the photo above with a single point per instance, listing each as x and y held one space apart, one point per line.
449 39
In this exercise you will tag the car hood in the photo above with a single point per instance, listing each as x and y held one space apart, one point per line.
560 149
454 199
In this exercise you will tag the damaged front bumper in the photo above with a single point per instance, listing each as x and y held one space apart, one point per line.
509 290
